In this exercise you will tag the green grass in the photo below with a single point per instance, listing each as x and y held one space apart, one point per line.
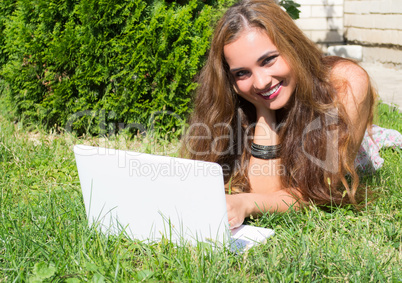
44 234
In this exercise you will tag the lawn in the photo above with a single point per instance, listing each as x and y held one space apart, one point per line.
44 234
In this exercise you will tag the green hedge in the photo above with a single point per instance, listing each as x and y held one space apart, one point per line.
99 65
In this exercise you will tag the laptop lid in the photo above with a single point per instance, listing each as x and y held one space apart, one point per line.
150 196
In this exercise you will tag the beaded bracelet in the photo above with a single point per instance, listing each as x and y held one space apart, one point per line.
265 151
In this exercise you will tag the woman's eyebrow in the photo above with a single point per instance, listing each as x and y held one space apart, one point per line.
236 69
266 54
262 57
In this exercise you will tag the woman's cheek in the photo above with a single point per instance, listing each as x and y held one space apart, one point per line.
244 87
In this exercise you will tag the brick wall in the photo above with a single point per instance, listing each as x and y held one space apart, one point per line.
322 21
377 26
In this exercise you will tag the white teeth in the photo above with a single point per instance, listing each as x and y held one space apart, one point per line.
271 91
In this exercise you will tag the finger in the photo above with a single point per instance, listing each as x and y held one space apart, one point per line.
234 224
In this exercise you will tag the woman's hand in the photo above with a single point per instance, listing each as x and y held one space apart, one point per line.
236 209
243 205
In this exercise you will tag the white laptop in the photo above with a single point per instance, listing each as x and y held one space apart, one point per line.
151 197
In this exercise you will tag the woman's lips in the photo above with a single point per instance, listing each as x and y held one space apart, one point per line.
272 92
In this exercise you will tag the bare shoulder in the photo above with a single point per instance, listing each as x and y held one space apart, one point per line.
352 84
351 81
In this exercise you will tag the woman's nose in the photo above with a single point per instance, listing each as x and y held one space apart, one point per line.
261 81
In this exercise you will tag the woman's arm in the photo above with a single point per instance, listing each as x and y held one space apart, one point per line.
353 89
240 206
267 194
264 175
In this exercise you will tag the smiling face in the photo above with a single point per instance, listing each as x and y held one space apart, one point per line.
261 74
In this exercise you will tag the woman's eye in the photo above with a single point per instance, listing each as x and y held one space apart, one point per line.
269 59
241 74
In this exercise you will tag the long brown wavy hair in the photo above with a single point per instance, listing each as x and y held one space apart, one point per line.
312 125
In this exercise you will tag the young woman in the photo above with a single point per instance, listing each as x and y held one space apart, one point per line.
284 121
